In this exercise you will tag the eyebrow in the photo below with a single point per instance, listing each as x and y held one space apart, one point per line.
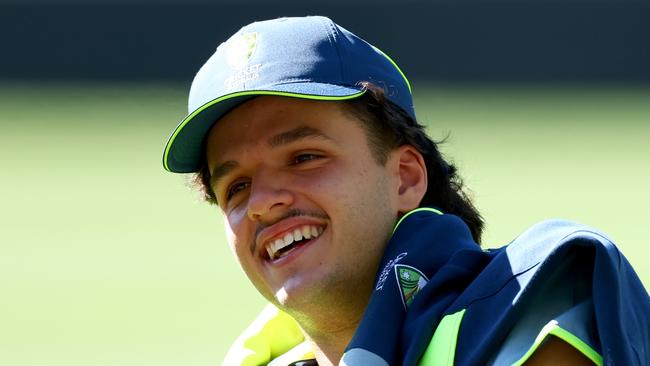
222 170
280 139
296 134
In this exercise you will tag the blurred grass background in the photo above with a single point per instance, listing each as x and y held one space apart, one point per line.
109 260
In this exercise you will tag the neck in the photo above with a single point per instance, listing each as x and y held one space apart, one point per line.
329 339
330 315
328 347
329 330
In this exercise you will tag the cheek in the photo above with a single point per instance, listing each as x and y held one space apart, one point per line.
230 234
236 237
239 244
333 180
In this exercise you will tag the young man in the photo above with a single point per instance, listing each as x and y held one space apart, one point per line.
345 216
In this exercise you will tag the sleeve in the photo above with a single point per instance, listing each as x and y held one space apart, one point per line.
576 327
562 308
271 334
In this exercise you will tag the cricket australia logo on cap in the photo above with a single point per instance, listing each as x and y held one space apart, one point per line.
410 281
238 52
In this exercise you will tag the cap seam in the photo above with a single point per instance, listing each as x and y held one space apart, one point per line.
332 34
287 82
293 81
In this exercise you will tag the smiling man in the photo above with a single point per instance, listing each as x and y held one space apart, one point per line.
295 193
347 219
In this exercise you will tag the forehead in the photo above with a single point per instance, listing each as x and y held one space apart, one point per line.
254 122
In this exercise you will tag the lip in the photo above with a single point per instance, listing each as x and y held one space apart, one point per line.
279 229
291 256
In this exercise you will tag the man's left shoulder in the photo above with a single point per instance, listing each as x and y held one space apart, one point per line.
553 258
554 237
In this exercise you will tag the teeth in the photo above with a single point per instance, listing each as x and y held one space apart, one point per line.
306 232
288 239
297 235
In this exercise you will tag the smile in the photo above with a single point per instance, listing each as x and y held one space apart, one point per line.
285 244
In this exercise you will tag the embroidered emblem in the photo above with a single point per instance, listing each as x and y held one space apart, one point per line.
238 53
240 50
410 281
386 271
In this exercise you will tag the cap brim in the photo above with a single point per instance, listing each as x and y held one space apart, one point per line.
184 147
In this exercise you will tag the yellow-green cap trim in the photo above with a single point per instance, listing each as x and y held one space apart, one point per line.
191 116
408 84
554 329
419 209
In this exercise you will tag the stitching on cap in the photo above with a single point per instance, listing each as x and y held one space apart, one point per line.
331 36
294 81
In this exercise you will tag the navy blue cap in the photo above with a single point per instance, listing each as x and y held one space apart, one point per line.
306 57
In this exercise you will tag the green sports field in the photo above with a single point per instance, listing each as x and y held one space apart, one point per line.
108 260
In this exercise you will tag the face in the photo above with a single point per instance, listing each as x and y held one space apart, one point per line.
308 209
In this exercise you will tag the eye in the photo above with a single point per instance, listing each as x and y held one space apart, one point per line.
301 158
236 188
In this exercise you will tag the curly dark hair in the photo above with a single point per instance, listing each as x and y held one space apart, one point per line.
388 127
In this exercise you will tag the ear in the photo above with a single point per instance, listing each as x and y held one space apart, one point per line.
412 177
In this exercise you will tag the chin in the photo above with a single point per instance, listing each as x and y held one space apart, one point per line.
295 294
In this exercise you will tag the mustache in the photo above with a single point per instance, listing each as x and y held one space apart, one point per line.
294 212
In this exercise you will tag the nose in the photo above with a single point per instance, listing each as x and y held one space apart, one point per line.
268 194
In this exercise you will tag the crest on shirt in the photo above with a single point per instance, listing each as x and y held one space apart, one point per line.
410 281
